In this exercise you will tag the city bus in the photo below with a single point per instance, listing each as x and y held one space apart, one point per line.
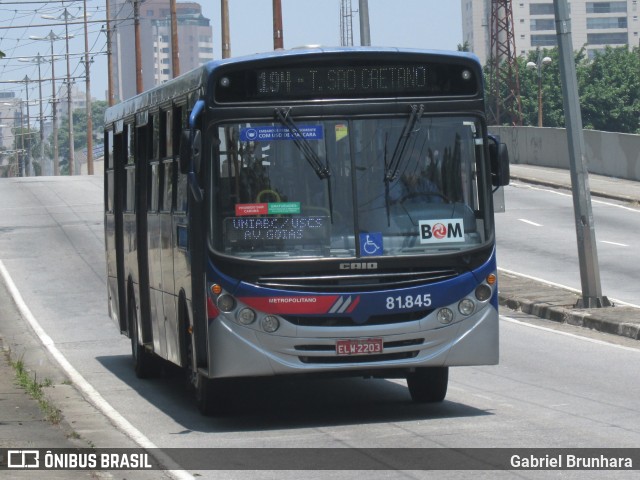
315 211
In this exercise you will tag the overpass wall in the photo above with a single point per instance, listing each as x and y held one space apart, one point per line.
612 154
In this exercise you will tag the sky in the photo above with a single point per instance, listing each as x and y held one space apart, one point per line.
429 24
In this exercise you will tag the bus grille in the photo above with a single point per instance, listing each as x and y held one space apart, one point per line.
319 321
360 282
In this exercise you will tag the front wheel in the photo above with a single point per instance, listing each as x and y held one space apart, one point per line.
429 384
212 395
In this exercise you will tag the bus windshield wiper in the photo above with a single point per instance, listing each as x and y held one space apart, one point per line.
302 143
392 167
310 155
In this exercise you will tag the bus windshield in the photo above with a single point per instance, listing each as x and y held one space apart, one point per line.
344 188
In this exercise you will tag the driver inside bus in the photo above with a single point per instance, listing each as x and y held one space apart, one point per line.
418 182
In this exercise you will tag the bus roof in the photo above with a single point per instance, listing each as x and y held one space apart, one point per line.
196 78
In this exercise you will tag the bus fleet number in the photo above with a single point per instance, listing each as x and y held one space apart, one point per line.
408 301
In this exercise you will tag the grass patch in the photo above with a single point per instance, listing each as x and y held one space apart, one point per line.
35 389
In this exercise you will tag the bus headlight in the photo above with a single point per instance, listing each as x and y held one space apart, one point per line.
246 316
483 292
466 306
226 302
270 324
445 315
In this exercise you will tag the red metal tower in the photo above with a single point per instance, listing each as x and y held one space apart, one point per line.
504 85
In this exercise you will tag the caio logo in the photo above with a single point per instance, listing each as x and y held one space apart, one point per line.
441 231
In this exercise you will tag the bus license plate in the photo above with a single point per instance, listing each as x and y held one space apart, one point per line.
359 346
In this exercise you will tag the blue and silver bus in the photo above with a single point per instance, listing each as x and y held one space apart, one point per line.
311 211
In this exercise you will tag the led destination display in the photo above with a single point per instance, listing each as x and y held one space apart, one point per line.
244 232
363 80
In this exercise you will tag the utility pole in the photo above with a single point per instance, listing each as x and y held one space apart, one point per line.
88 95
138 53
109 58
278 40
365 34
52 37
175 50
67 16
224 14
26 166
585 230
39 59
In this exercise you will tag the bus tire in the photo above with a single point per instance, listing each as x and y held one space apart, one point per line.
143 361
211 396
429 384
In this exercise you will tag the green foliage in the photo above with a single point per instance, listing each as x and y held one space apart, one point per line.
79 131
608 85
610 91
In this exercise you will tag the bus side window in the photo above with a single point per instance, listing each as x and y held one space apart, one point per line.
155 149
167 191
167 134
109 169
154 180
130 169
181 179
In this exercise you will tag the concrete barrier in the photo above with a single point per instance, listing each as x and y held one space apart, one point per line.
612 154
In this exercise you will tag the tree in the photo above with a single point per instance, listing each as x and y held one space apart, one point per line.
610 91
79 132
608 85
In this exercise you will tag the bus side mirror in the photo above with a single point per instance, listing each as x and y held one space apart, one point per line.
499 157
190 147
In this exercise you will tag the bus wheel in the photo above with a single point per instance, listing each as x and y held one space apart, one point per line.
211 395
143 361
428 385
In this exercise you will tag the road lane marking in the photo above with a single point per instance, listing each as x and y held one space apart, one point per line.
83 385
568 334
614 243
562 194
530 222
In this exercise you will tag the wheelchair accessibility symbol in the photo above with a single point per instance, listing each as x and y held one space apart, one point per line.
371 244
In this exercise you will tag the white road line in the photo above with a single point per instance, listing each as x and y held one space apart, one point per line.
530 222
562 194
614 243
567 334
84 386
553 284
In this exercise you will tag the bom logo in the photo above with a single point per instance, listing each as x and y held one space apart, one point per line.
440 231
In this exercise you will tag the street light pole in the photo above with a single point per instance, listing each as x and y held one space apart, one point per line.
538 66
585 230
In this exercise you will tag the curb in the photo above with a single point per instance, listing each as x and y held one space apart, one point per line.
522 294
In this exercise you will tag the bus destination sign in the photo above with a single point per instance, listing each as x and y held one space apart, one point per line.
359 80
249 232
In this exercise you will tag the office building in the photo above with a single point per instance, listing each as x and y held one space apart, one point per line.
594 25
195 42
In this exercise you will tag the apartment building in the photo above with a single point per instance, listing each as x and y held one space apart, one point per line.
195 42
595 25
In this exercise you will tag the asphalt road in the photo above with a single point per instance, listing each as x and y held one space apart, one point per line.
553 387
536 236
